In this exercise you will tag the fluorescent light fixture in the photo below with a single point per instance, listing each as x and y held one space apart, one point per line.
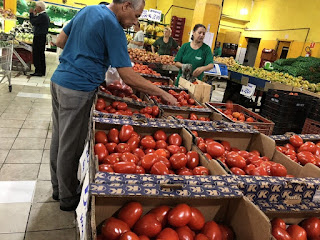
244 11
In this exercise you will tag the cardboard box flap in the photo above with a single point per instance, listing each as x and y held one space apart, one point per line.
265 145
305 137
310 170
165 190
305 206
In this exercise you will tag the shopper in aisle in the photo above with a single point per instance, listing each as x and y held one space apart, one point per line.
40 21
138 39
217 50
90 45
165 44
196 53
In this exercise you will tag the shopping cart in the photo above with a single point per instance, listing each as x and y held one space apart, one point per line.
6 51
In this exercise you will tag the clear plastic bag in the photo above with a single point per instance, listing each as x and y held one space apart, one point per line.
115 85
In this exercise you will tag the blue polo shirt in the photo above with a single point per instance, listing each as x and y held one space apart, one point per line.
96 40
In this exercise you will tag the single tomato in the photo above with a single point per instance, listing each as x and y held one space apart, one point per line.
148 225
160 135
148 142
212 231
168 234
101 151
101 137
197 220
124 167
180 215
280 234
113 135
175 139
192 159
161 214
296 141
112 228
178 160
159 168
215 149
125 133
200 170
130 213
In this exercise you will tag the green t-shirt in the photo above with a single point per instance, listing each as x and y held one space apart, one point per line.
198 58
217 52
165 48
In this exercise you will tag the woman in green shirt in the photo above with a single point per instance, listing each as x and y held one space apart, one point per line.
165 43
196 53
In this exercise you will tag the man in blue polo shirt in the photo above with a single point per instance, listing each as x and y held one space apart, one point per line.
92 41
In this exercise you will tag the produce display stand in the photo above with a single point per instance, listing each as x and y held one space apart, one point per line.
22 58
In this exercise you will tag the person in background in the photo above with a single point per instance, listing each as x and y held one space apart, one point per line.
40 21
138 39
89 48
166 43
196 53
217 50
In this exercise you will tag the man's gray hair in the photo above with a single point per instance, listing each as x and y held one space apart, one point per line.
41 4
135 3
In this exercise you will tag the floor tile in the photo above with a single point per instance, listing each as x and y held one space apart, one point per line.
15 215
34 95
3 155
14 109
17 191
46 156
6 143
19 172
34 116
66 234
48 216
36 124
12 236
9 132
24 156
47 110
49 135
47 144
43 192
44 173
15 116
28 143
33 133
5 123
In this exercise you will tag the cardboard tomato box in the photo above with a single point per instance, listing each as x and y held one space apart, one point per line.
201 91
221 204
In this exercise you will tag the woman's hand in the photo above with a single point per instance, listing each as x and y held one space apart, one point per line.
171 100
197 71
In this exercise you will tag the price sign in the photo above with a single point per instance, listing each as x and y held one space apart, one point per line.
82 209
83 163
144 14
154 15
248 90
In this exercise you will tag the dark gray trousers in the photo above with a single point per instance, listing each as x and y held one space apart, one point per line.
70 119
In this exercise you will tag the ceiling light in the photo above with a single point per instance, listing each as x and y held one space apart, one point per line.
244 11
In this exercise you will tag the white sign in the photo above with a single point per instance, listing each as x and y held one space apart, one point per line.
208 39
144 14
248 90
82 209
154 15
83 163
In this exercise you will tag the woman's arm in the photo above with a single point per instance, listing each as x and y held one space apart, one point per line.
202 69
178 64
137 43
152 48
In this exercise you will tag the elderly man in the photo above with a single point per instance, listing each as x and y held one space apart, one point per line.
40 21
92 41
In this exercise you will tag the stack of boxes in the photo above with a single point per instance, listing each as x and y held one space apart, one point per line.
177 27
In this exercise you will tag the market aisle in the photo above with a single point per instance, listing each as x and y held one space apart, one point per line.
27 209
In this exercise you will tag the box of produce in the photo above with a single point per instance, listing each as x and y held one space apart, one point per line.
200 90
155 215
238 113
142 55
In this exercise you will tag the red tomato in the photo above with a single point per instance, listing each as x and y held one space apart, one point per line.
280 234
101 137
113 135
105 168
139 153
312 227
195 133
201 236
124 167
210 158
122 106
159 168
100 106
193 116
160 135
149 150
249 168
259 171
182 149
212 230
140 170
307 146
179 117
143 237
148 142
178 160
208 140
175 139
148 225
112 158
129 236
165 161
168 234
148 160
202 146
129 157
215 149
306 157
112 228
279 170
161 152
289 146
200 140
161 144
125 133
191 101
115 104
180 215
255 152
200 170
235 160
244 154
278 222
101 151
197 220
161 214
237 171
173 149
184 171
133 143
155 111
185 233
148 110
192 159
226 145
281 149
227 233
111 147
130 213
296 141
297 232
122 148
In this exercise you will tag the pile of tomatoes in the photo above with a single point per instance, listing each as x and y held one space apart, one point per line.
300 152
193 116
162 223
183 98
240 162
121 108
308 229
140 68
235 116
125 151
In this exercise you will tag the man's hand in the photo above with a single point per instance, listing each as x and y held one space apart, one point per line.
197 72
171 100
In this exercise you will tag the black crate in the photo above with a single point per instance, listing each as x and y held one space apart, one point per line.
314 110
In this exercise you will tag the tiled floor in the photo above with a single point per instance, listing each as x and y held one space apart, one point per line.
27 210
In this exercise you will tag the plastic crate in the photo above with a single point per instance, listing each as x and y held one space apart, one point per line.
311 127
177 19
263 125
314 110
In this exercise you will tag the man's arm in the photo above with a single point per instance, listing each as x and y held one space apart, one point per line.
61 39
141 84
137 43
37 20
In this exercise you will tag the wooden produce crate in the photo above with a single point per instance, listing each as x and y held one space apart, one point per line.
201 91
311 127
